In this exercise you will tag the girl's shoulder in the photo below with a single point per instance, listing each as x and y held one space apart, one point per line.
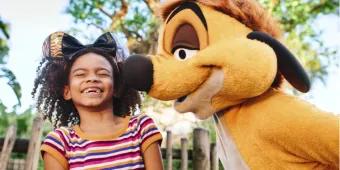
146 129
62 130
140 118
61 133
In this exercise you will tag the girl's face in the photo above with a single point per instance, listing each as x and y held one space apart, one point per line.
90 82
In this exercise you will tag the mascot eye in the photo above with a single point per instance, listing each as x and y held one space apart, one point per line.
184 53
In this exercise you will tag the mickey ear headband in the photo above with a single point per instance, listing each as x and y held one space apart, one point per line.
62 45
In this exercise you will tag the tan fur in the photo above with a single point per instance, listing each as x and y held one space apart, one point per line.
247 12
233 76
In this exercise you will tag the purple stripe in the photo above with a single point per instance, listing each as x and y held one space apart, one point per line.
134 132
54 147
150 132
144 124
103 160
61 135
136 120
101 143
50 137
105 153
115 142
149 136
130 165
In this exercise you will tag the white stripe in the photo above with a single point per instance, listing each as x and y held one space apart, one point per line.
64 136
113 147
103 156
150 133
131 167
54 144
106 163
134 133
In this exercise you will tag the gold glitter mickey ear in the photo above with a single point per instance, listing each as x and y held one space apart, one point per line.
52 46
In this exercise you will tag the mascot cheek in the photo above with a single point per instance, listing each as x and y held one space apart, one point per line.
173 79
247 73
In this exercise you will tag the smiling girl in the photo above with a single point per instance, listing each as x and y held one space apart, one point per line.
79 89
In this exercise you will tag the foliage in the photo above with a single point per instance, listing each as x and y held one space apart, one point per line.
23 121
5 73
297 19
7 118
133 18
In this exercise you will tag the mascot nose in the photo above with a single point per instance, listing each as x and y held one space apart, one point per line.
138 72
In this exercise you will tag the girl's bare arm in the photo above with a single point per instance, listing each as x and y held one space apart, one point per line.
153 157
51 163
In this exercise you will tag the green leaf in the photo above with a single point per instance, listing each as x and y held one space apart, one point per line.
12 82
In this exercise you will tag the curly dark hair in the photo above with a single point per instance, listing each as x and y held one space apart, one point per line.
52 76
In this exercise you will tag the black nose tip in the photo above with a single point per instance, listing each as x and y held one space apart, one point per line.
138 72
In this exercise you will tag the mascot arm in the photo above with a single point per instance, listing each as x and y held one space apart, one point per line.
306 132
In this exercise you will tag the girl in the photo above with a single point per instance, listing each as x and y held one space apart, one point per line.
79 89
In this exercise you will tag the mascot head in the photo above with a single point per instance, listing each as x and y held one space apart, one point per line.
213 55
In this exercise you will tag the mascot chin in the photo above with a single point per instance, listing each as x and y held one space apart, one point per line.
223 59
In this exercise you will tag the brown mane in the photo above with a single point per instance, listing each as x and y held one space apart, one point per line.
248 12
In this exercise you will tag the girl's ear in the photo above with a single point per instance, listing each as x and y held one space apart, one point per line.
67 93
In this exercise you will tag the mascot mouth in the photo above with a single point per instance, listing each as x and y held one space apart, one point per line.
199 101
181 99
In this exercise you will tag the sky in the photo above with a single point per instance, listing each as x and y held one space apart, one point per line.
32 21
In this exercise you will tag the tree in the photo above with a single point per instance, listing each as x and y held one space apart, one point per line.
297 19
134 18
5 73
137 21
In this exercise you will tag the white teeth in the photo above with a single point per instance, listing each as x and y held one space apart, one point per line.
93 90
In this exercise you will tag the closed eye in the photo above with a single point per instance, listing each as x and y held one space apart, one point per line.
104 73
79 74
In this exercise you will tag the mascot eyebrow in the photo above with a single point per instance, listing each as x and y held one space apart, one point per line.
192 6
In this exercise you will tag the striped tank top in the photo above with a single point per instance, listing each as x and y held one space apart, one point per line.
74 149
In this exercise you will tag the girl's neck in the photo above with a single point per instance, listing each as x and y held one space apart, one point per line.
101 121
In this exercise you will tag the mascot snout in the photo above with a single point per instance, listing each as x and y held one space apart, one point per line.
138 72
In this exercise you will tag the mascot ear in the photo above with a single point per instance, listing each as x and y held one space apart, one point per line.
288 65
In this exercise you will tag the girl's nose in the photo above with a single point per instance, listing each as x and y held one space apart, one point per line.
92 78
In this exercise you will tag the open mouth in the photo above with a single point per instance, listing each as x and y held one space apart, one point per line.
92 90
181 99
199 101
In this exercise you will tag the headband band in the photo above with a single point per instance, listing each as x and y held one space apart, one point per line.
62 45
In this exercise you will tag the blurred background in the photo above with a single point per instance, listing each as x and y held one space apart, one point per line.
311 31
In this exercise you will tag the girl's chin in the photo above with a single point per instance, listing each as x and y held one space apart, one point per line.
100 104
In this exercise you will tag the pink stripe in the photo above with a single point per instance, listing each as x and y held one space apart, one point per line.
101 143
152 133
135 120
103 160
146 123
62 137
114 142
53 145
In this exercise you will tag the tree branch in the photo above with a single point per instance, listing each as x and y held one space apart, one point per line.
122 12
105 12
97 26
152 5
119 15
130 33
